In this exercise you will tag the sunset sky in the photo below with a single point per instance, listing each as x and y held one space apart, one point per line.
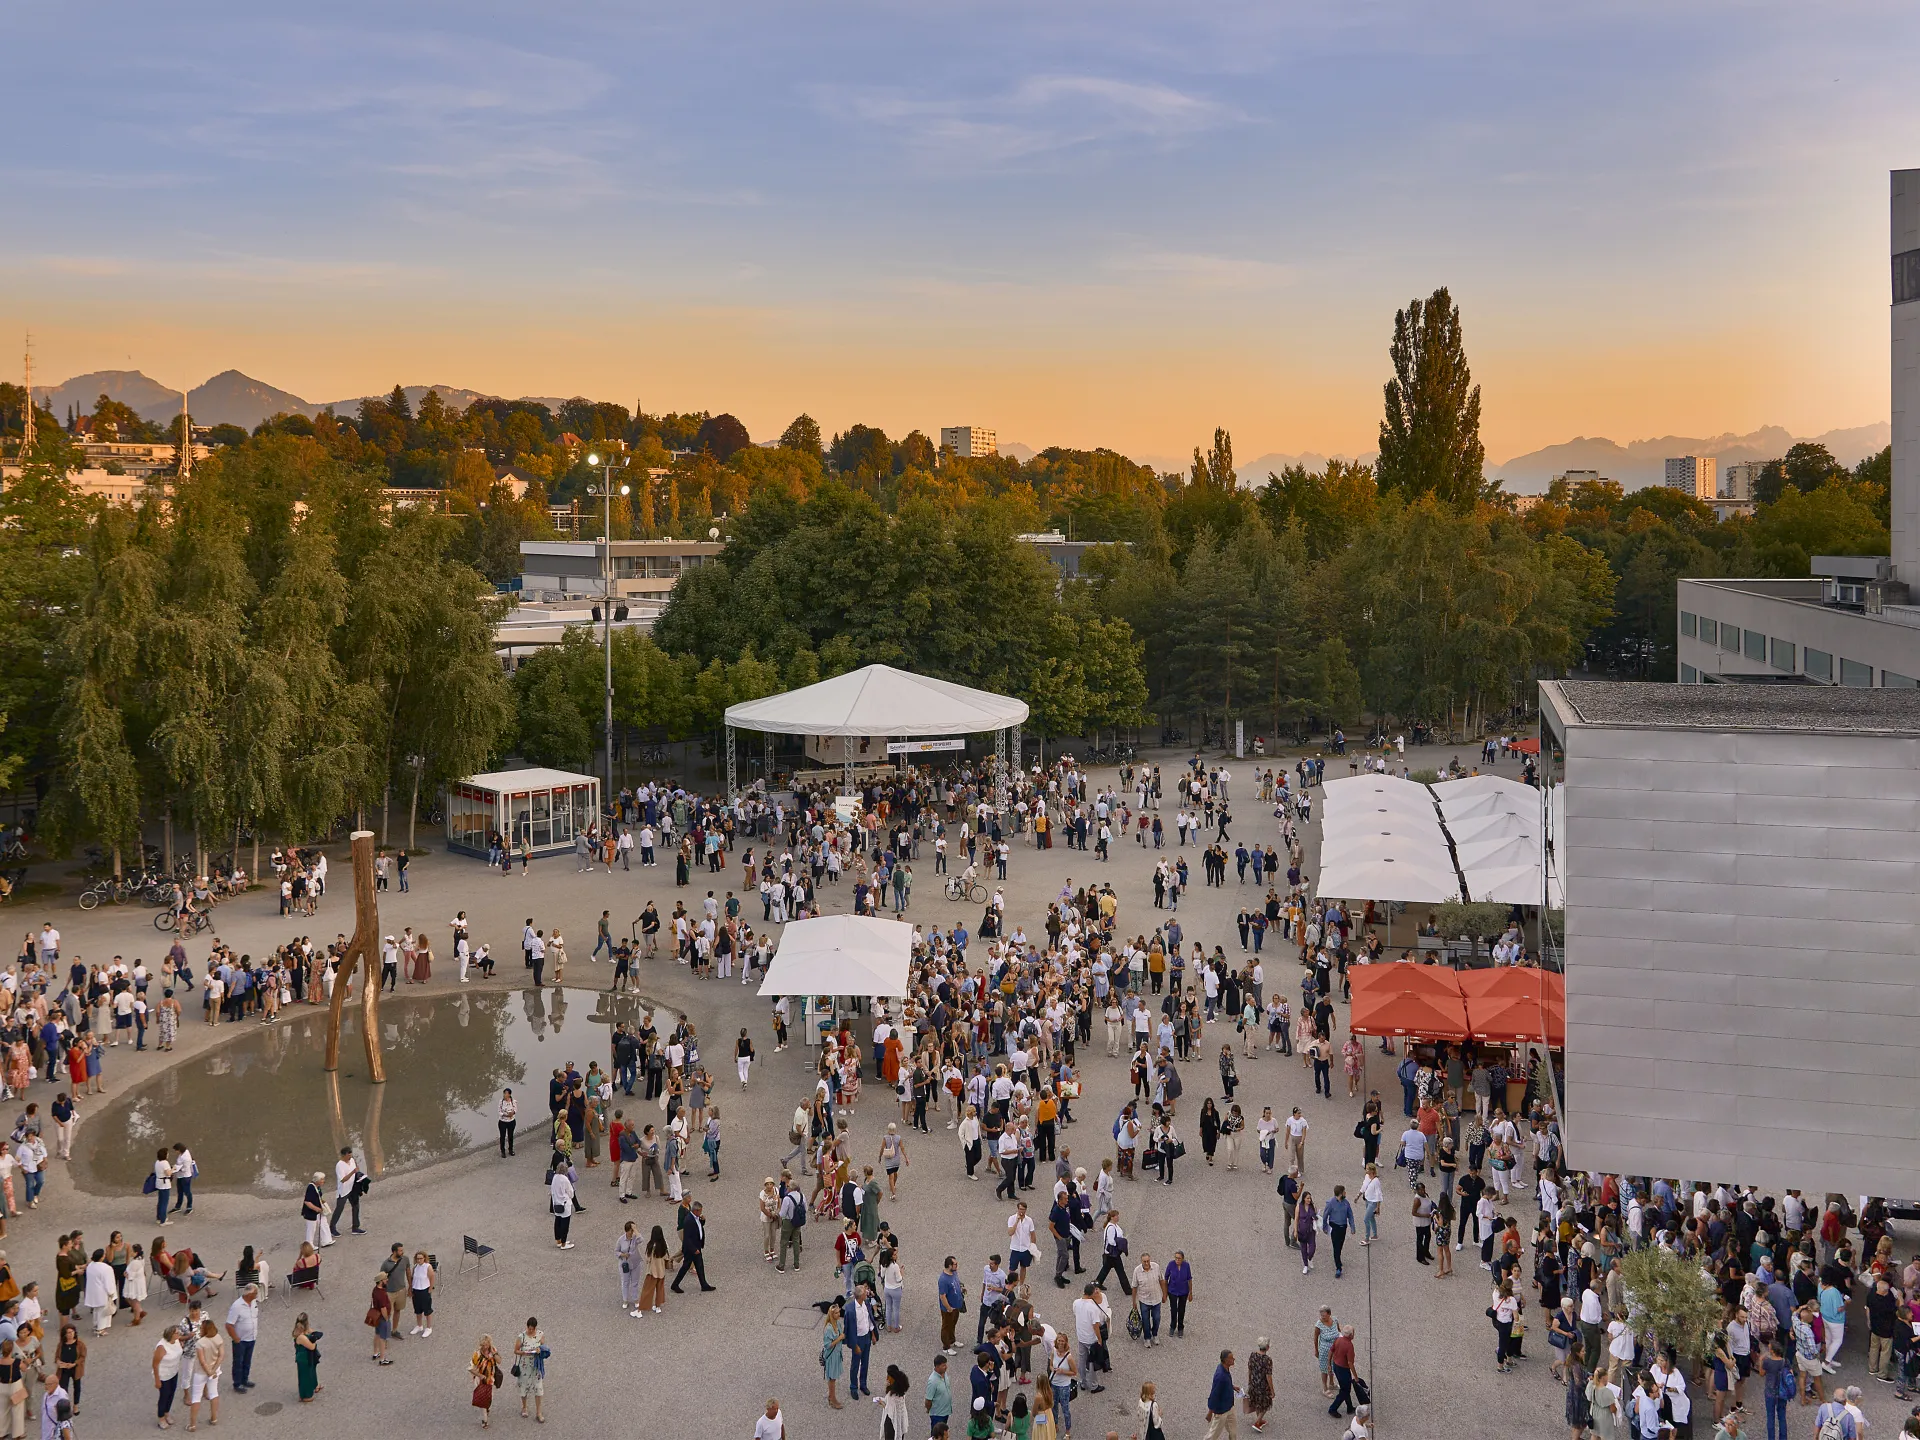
1118 224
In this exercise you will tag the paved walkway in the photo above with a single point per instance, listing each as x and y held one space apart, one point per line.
707 1366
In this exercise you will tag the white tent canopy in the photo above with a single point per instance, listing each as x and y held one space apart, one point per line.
1497 854
1381 840
1503 826
1514 885
1389 877
880 700
841 955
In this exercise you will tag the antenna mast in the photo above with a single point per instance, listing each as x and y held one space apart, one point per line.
185 467
26 433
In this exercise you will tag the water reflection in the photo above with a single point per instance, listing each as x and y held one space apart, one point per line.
261 1115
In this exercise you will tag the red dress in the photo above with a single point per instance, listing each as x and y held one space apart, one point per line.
77 1065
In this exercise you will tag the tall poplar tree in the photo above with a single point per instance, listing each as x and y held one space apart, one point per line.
1430 436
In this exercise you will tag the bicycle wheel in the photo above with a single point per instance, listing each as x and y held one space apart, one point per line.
122 893
89 899
165 921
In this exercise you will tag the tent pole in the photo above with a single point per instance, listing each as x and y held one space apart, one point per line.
733 779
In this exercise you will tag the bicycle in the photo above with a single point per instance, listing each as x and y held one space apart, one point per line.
100 891
193 923
960 888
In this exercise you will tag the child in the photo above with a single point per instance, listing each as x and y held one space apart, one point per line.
1019 1421
980 1424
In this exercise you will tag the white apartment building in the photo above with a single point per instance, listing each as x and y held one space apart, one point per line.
970 442
1695 475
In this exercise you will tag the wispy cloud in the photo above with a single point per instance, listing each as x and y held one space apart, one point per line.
1042 114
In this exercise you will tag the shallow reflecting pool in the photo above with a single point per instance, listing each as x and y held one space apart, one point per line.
261 1115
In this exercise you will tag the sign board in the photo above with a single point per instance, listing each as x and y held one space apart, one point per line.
1239 739
846 808
923 747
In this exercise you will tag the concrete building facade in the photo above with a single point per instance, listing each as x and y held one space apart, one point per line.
642 569
1854 624
1742 876
970 442
1695 475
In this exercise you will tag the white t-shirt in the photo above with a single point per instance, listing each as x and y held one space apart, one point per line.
770 1427
344 1173
1020 1230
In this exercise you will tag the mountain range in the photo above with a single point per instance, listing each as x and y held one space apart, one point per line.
231 398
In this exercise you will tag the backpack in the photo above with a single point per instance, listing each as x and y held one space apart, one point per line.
1835 1426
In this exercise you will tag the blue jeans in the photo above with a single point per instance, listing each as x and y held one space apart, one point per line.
35 1179
1372 1230
1060 1408
862 1348
182 1192
242 1363
161 1199
1149 1322
603 941
1777 1418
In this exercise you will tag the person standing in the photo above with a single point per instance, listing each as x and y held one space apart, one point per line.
349 1185
771 1425
1260 1383
1220 1400
1342 1359
1149 1293
530 1367
306 1358
163 1184
560 1201
243 1330
422 1283
485 1369
204 1381
833 1349
380 1314
166 1362
693 1244
1179 1280
630 1251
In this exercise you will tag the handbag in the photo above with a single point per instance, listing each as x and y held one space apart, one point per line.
373 1317
1135 1327
152 1184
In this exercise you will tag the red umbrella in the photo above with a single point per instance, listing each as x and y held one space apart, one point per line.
1406 999
1513 1005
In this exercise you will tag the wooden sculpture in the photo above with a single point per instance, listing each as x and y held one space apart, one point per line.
362 950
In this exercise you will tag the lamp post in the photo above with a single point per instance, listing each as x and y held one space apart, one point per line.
605 492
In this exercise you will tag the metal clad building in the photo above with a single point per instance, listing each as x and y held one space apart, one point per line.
1742 873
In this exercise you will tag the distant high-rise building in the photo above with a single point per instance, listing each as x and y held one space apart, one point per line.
1695 475
1739 480
970 442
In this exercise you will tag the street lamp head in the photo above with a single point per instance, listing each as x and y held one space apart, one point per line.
626 490
593 459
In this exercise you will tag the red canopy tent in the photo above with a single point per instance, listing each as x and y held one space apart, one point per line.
1513 1005
1529 746
1401 998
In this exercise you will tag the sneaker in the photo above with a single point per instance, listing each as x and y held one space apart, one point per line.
414 1331
426 1332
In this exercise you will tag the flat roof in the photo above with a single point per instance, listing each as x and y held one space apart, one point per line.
1642 705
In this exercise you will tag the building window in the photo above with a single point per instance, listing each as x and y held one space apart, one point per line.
1709 632
1855 675
1730 637
1689 624
1782 657
1689 675
1818 664
1756 646
1892 680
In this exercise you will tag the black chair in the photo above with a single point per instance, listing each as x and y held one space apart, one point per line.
480 1255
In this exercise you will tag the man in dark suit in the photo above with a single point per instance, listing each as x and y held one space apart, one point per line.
693 1244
